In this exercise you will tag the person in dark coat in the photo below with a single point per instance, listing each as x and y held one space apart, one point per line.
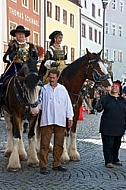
112 124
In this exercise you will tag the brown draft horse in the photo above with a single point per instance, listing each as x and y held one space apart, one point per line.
21 97
72 77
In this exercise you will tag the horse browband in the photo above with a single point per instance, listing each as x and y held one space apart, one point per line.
92 60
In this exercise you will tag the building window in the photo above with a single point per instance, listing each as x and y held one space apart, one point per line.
57 11
71 20
95 35
90 33
93 10
36 6
25 3
113 4
64 16
35 38
121 6
85 4
120 56
113 55
113 29
72 54
120 31
14 1
99 12
83 30
49 9
106 28
99 37
107 54
12 26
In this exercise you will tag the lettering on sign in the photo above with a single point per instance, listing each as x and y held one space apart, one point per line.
23 16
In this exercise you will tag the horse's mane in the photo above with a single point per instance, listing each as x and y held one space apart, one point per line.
32 64
31 79
70 71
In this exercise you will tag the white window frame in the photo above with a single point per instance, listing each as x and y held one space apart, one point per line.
121 6
23 4
93 10
34 7
13 23
85 4
113 55
120 57
114 4
107 54
83 30
120 30
106 28
113 29
15 1
34 32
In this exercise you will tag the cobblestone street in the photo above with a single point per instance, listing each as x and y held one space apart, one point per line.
87 174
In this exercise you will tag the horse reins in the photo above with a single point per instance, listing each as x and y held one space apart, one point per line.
25 94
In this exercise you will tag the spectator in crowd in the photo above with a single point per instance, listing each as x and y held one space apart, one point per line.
91 97
112 124
84 94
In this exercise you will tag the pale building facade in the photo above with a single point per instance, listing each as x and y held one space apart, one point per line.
115 38
14 13
64 15
91 25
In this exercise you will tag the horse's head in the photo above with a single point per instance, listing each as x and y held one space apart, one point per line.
29 73
96 70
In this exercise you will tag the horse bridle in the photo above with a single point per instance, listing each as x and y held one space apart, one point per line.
25 94
96 76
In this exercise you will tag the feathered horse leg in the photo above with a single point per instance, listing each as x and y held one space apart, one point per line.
65 157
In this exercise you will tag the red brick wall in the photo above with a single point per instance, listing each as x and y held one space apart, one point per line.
24 16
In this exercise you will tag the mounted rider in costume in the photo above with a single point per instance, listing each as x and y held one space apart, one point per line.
56 55
17 53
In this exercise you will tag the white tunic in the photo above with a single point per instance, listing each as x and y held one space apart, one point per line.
56 105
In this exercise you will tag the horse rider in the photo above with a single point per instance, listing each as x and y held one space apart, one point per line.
17 53
56 55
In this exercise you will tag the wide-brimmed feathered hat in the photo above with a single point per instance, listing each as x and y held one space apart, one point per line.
54 34
20 29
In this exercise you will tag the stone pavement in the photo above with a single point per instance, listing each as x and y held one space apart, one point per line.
87 174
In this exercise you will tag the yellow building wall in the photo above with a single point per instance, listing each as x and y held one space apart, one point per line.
71 36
